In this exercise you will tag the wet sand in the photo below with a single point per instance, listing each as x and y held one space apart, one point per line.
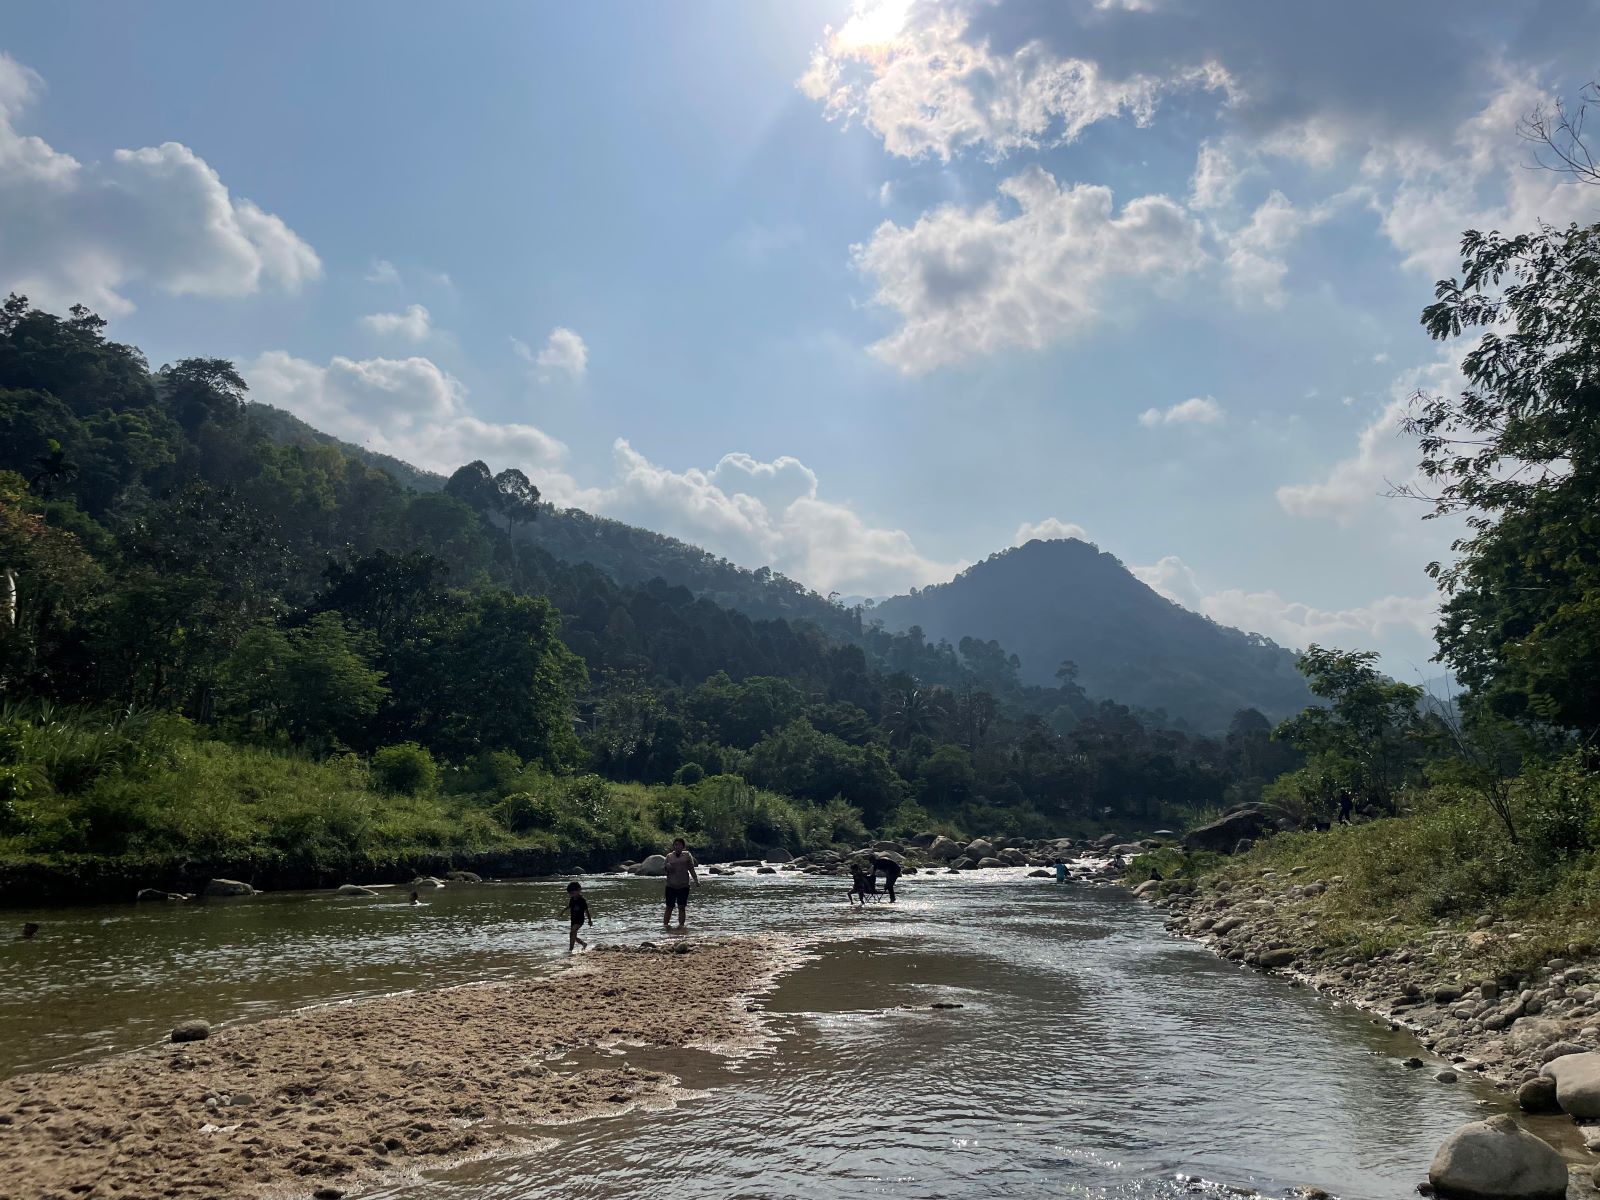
328 1100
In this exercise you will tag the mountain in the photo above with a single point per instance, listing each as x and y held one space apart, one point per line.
1050 601
627 553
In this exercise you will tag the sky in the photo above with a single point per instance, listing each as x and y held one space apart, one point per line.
865 290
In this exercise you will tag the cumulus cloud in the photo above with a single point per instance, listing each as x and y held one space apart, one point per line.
971 281
1255 261
413 324
917 76
1290 622
74 232
1049 529
563 351
1196 410
384 273
768 512
408 407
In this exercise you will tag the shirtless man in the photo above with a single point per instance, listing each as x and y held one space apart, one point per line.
680 874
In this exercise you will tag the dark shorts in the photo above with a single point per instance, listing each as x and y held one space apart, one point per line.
678 897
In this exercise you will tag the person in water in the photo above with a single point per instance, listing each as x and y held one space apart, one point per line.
1061 871
889 869
680 874
416 898
578 914
29 928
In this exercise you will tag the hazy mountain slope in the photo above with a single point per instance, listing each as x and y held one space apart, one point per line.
1051 601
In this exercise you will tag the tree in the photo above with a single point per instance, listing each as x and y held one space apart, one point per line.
315 682
204 389
1369 728
517 500
52 469
474 486
1517 455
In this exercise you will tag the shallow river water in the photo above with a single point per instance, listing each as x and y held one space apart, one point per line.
1093 1055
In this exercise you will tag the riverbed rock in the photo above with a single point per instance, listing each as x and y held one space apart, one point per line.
1496 1160
944 849
656 864
766 870
228 887
463 877
355 889
963 864
1013 857
779 855
1538 1095
427 881
989 862
978 850
1577 1079
1041 873
1244 822
191 1031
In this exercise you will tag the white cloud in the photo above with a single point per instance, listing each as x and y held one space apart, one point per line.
1385 456
562 351
1196 410
972 281
1047 530
1216 177
1291 622
408 407
383 272
768 512
159 216
1255 261
414 324
913 75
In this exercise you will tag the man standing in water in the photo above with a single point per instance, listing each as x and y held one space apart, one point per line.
680 874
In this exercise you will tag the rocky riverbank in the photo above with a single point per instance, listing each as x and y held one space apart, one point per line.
325 1100
1531 1030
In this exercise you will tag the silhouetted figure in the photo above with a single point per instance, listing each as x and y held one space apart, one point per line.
1346 804
29 928
416 898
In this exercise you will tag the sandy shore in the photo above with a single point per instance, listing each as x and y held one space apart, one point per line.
328 1100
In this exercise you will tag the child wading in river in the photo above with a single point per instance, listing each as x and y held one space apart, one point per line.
577 913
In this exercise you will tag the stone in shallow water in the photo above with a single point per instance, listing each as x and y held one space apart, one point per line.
1577 1079
1496 1160
191 1031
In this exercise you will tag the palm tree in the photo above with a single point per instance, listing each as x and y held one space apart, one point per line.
910 712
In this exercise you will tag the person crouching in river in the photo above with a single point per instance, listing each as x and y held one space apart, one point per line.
680 874
577 913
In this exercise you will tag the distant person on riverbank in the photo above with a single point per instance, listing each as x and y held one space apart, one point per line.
1061 871
1346 804
577 913
680 874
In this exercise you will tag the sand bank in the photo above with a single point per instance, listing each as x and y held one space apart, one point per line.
330 1100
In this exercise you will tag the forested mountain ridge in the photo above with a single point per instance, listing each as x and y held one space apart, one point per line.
627 553
1064 600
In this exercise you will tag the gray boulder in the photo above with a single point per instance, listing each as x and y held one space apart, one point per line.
1538 1095
779 855
427 881
1496 1160
228 887
978 849
1148 886
766 870
1222 835
1282 956
656 864
988 862
1013 857
962 864
894 846
1041 873
463 877
1577 1079
191 1031
355 889
943 849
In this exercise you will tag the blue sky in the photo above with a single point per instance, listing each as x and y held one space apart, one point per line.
864 290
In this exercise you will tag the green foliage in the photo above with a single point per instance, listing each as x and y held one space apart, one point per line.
689 774
406 769
1517 452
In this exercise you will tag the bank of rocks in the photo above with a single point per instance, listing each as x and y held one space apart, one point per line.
1445 985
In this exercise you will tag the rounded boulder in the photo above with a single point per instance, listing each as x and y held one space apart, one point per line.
1497 1160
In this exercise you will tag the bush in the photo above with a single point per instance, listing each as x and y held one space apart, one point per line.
523 812
406 769
689 774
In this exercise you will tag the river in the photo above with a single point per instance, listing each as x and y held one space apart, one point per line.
1093 1055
